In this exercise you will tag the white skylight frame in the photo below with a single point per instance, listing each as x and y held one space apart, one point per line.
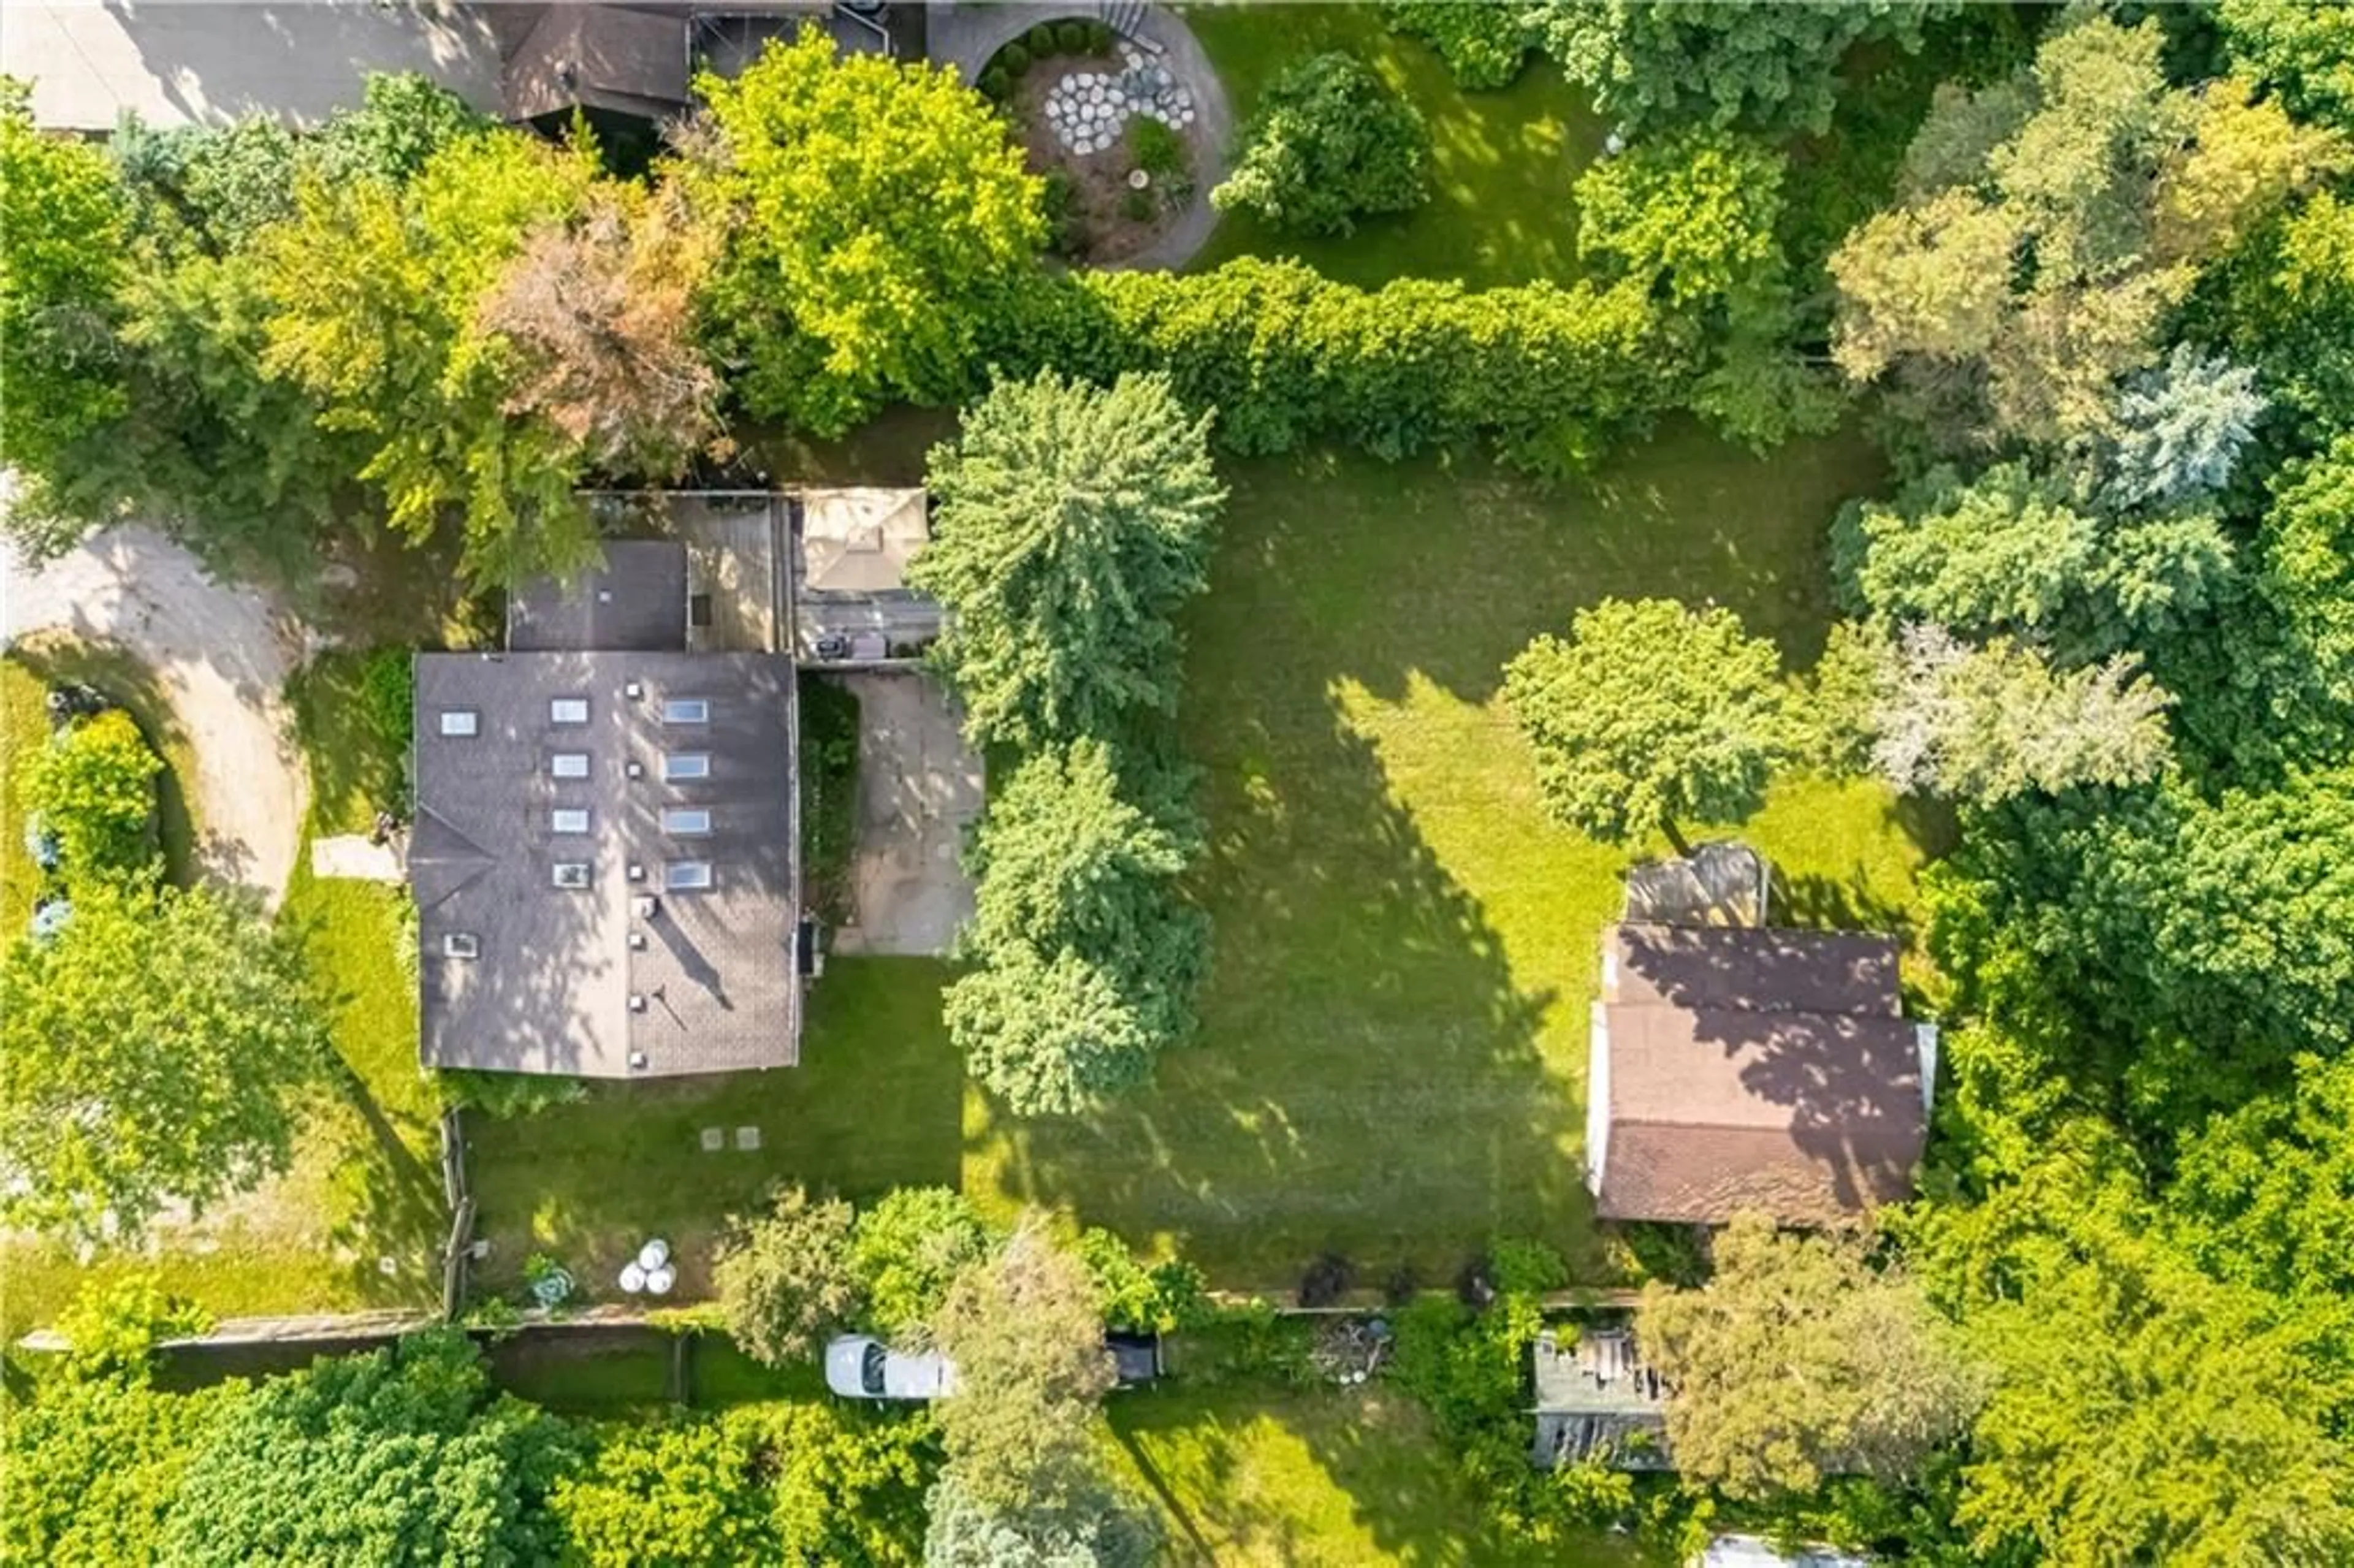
686 710
460 945
687 875
687 822
568 765
568 710
685 765
568 820
462 724
570 874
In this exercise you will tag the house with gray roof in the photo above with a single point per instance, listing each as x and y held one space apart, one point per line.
606 848
1743 1068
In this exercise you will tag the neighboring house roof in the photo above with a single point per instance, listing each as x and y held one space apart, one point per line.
860 541
207 64
1735 1069
637 599
672 947
600 56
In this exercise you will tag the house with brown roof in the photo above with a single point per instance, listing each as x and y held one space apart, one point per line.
1733 1068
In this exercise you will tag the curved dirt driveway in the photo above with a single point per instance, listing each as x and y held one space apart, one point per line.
221 654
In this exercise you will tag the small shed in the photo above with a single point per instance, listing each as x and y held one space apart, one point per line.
1597 1402
850 599
1719 884
616 59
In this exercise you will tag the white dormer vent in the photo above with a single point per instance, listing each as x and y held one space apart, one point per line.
637 941
636 770
637 872
637 1003
637 1061
633 690
645 907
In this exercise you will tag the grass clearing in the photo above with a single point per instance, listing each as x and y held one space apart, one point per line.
1503 162
1393 1031
1248 1475
874 1105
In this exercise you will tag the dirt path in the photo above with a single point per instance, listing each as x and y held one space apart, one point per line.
221 654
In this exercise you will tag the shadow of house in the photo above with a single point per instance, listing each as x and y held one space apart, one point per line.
1734 1069
606 856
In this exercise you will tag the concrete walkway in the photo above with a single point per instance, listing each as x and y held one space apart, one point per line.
919 787
965 36
221 654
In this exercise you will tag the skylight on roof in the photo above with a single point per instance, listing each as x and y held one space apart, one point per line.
568 710
571 873
569 820
461 721
692 820
569 764
462 945
685 710
687 874
686 765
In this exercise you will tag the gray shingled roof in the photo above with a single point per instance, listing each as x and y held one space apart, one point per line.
636 599
1735 1069
552 988
600 56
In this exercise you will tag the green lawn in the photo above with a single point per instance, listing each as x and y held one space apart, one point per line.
1503 163
1248 1475
874 1105
1395 1024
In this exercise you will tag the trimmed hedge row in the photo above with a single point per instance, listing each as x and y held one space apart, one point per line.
1547 375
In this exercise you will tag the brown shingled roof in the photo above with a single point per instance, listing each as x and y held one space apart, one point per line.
1743 1068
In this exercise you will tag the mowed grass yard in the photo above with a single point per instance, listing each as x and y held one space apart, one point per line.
1502 167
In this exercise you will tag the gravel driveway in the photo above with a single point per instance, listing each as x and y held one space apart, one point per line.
221 654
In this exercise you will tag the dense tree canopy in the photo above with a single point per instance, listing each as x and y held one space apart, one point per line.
93 788
908 1248
149 1052
1328 142
399 1456
854 276
2118 185
1071 523
1651 714
784 1279
1799 1359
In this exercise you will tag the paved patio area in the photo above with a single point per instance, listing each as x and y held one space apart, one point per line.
918 788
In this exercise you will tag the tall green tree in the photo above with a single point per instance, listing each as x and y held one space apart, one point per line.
386 342
854 279
1328 142
1025 1333
1799 1361
2264 1194
784 1278
688 1494
62 263
1071 523
2307 545
2305 51
908 1248
1689 218
1767 67
150 1051
1086 955
2118 186
1649 715
1989 723
404 1455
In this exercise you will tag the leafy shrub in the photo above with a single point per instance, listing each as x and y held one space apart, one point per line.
1158 150
1483 45
1543 372
1403 1284
828 793
1013 59
1328 142
506 1096
1039 40
1137 207
908 1249
1099 37
995 85
113 1330
388 701
1164 1298
94 787
785 1278
1527 1267
1327 1280
1071 38
1059 200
